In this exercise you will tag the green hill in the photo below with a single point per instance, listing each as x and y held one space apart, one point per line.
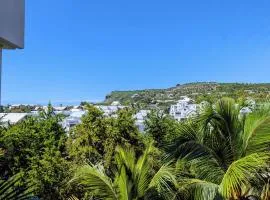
200 91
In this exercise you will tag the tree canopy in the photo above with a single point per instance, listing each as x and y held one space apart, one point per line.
219 154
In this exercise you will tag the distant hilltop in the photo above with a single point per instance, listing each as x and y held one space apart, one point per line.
199 91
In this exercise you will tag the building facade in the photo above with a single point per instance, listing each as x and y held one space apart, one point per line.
183 109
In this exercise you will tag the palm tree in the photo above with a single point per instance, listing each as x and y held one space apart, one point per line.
225 152
9 189
47 113
133 179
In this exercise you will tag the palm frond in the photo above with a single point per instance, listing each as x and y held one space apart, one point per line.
240 173
144 158
125 157
197 189
188 144
10 191
94 180
1 153
72 198
142 170
123 185
142 178
207 168
256 137
164 180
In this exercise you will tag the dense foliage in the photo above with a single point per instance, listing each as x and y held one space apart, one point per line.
94 140
35 150
219 154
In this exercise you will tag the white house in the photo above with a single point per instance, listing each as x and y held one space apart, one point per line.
59 108
135 96
250 106
14 106
139 119
116 103
37 108
70 122
12 118
110 110
245 111
183 109
76 109
73 119
78 114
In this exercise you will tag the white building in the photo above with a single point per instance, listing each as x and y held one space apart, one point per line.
183 109
135 96
34 113
63 112
70 122
76 109
110 110
245 111
14 106
116 103
37 108
59 108
78 114
73 119
139 119
12 118
250 106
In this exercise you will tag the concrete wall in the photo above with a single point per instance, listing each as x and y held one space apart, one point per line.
12 14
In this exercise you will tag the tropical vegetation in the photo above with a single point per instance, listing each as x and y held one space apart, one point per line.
219 154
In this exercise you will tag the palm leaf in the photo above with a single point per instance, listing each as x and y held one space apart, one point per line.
164 180
125 157
123 185
197 189
9 190
144 158
256 137
72 198
94 180
240 173
142 179
207 168
142 171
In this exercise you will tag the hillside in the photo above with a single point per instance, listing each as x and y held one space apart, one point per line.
200 91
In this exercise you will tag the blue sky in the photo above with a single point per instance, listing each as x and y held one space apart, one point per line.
82 50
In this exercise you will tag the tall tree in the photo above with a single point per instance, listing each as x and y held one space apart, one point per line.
225 151
95 139
35 149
